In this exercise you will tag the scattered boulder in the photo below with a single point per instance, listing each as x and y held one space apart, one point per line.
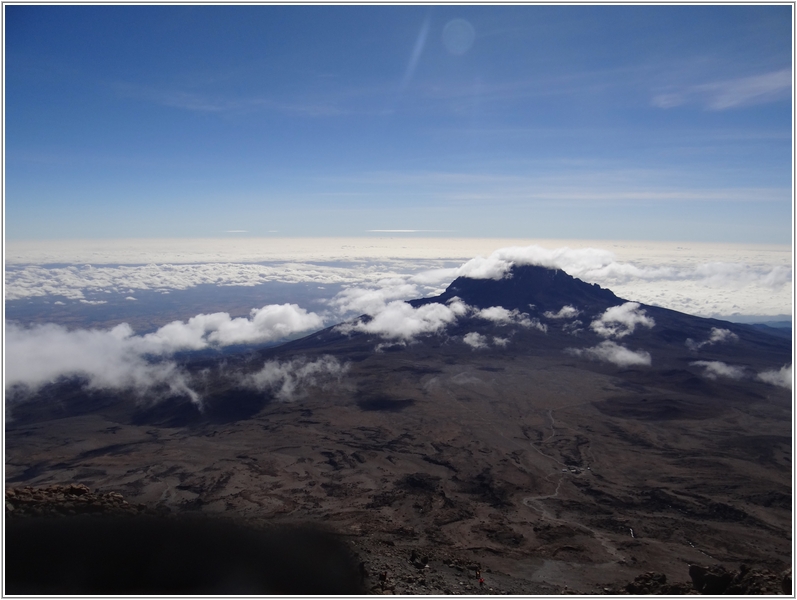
746 581
656 583
785 583
715 580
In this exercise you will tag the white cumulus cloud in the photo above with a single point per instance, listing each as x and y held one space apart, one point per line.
118 359
715 368
475 340
401 321
108 359
781 377
267 324
620 321
372 300
612 352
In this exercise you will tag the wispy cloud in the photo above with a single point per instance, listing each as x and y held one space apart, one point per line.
291 379
730 93
417 50
219 103
566 312
781 377
717 336
715 368
501 316
614 353
554 183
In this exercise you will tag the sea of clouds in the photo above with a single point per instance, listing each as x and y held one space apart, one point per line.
377 280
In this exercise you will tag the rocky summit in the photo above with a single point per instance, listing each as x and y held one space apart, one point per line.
546 437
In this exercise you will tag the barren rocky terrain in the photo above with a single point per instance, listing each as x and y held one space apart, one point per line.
543 470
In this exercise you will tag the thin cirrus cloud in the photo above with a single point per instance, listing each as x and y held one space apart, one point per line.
215 103
417 50
730 93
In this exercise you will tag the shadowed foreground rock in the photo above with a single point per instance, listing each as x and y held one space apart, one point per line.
717 580
110 555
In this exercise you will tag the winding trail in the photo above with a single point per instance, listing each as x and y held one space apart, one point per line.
535 502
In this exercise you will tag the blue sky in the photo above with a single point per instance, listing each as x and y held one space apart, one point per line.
596 122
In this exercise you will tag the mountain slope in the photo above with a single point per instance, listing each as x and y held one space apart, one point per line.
533 451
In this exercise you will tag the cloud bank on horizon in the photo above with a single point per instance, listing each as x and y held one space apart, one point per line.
736 284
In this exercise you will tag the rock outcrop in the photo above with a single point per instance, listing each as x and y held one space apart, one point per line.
716 580
70 499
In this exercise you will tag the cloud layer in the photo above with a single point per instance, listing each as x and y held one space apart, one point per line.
706 280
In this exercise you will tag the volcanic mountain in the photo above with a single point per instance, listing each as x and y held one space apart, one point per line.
543 430
525 287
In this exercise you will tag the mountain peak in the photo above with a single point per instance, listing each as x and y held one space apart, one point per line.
545 288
